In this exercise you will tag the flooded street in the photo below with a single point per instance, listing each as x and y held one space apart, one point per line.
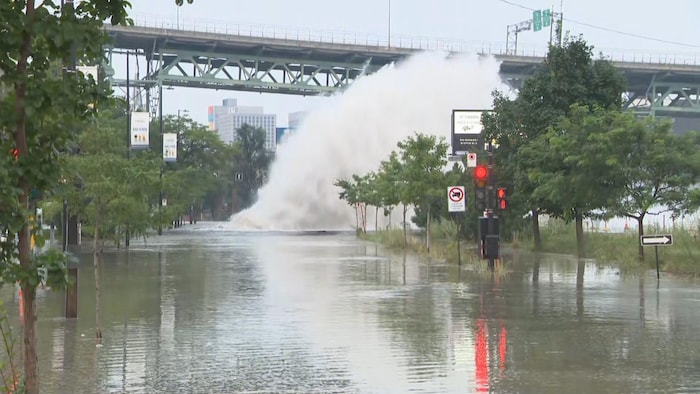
197 311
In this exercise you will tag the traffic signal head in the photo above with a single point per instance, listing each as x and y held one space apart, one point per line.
481 175
502 195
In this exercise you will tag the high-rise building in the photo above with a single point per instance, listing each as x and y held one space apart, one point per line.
295 119
226 119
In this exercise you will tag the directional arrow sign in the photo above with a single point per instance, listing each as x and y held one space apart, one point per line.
657 240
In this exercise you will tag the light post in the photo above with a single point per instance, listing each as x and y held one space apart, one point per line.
389 31
180 112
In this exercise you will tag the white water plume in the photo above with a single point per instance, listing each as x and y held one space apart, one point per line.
354 131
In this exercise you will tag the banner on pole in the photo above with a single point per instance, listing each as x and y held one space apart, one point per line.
170 147
139 130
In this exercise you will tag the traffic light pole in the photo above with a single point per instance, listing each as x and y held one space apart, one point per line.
490 208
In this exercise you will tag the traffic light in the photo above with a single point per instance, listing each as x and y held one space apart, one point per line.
15 153
502 195
481 176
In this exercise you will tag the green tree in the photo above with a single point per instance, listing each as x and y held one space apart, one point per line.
569 75
350 194
423 158
374 196
253 162
658 169
387 184
37 115
577 164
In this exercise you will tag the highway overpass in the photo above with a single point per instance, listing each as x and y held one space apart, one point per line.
304 66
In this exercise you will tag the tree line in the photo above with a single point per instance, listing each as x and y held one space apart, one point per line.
566 148
110 188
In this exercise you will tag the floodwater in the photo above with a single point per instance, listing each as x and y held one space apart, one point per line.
200 311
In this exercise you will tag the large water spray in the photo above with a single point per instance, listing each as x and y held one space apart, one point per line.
353 132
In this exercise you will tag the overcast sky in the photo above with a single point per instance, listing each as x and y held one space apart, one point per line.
670 27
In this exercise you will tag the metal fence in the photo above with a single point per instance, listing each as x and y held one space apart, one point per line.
397 41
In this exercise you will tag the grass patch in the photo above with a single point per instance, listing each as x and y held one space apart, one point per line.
443 246
622 249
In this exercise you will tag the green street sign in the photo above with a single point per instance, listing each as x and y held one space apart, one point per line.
546 18
537 20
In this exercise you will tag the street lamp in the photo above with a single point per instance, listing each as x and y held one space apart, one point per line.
389 31
180 112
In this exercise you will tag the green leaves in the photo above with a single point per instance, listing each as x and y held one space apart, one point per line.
412 176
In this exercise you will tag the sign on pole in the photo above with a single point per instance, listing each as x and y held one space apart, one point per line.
537 20
546 18
466 129
455 199
471 160
139 129
169 147
657 240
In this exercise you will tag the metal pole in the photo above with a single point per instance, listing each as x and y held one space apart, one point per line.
128 135
459 252
389 31
489 202
656 251
160 199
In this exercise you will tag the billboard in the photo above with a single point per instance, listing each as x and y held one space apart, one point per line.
466 130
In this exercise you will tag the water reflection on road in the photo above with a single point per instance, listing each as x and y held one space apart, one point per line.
222 312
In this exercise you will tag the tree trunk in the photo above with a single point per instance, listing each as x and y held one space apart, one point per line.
640 226
376 219
357 218
31 382
96 266
405 235
427 230
536 236
364 218
579 233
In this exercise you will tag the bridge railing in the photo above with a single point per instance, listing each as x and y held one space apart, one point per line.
397 41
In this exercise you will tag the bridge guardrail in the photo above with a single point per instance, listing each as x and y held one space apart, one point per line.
397 41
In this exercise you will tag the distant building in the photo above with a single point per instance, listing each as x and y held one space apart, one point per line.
295 119
226 119
282 133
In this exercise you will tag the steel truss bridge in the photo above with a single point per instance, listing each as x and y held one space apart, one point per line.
304 66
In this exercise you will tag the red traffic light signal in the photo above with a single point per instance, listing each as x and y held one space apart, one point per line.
502 195
481 175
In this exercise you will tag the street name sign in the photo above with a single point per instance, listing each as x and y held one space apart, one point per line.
455 199
657 240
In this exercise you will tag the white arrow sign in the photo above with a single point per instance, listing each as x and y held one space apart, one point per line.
656 240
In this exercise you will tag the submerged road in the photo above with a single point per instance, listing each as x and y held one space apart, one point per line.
202 310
